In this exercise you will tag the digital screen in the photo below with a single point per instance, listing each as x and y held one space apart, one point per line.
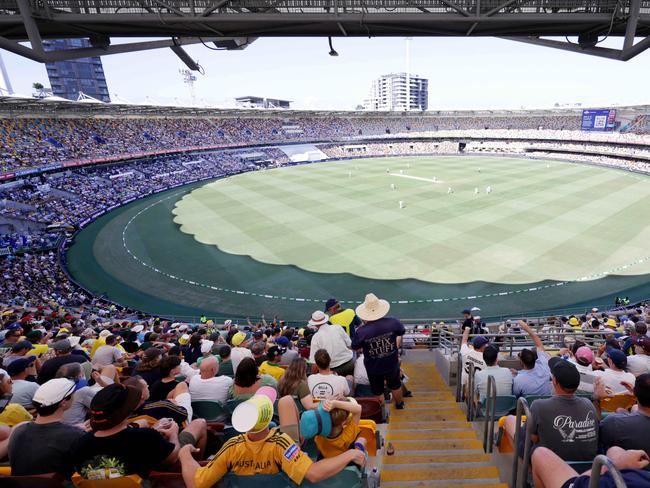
598 120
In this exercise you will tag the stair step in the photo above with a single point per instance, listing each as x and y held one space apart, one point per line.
392 435
437 458
477 483
423 415
441 473
441 444
396 425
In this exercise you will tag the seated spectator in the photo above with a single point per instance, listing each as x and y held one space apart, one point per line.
225 362
170 368
258 348
207 347
294 384
266 451
533 379
360 373
140 449
248 381
13 413
326 384
582 358
45 445
550 471
564 423
239 349
63 355
639 363
192 352
83 395
22 391
149 366
289 353
178 409
272 365
209 386
615 374
334 340
109 354
502 376
630 430
19 350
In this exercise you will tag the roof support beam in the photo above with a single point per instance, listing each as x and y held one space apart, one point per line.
30 26
632 22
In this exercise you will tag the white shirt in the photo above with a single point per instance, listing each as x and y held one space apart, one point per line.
360 373
502 380
325 386
237 354
612 380
638 364
587 377
335 341
470 355
213 389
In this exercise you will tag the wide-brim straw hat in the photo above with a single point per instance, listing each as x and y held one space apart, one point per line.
372 308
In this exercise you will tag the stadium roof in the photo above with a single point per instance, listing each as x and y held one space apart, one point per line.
59 107
234 24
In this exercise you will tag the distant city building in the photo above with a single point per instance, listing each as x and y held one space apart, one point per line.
259 102
389 92
68 78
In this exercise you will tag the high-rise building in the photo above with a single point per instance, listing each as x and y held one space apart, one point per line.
69 78
389 92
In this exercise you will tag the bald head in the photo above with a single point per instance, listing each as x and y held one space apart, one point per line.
209 368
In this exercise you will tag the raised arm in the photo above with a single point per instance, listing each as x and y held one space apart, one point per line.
533 335
465 338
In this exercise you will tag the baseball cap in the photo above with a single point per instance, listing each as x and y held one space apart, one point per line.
62 345
257 334
330 303
112 404
316 422
618 358
238 338
19 365
479 341
584 355
53 391
565 373
644 342
20 345
467 310
282 341
206 346
273 352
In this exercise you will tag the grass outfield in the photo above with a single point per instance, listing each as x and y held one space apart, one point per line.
282 241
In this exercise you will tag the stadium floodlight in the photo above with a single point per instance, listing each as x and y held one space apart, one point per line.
332 50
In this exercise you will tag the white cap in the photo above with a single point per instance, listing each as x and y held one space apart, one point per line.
104 333
227 322
183 327
138 328
74 341
53 391
206 346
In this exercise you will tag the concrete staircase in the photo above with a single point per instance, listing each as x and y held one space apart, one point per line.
434 444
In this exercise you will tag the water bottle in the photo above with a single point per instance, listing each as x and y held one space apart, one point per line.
373 478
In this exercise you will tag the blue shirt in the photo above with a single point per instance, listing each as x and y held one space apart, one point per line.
536 381
378 338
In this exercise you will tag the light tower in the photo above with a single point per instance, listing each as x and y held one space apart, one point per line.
408 73
189 79
5 83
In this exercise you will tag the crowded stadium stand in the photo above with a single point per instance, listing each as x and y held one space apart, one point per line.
108 396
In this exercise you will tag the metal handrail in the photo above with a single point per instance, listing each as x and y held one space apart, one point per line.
459 376
522 409
600 461
469 392
490 414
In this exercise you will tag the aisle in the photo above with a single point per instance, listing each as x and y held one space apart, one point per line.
434 444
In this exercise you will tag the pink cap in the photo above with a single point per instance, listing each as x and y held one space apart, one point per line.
585 354
268 391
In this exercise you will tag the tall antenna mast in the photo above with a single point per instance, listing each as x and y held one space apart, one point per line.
5 82
408 73
189 79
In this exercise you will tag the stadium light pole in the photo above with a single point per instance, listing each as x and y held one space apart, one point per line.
332 50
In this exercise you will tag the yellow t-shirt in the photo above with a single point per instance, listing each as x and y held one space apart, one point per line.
244 457
333 446
14 414
272 369
39 349
344 318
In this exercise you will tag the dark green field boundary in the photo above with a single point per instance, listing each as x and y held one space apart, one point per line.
98 261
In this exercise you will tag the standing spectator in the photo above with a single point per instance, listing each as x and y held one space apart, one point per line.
209 386
272 365
502 376
630 430
239 350
345 318
380 339
44 446
109 354
473 355
21 389
615 375
639 363
326 384
533 379
334 340
63 350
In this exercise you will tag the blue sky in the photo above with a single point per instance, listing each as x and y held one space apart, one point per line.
462 72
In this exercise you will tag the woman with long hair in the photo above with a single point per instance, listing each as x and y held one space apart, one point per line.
294 383
149 366
248 380
192 352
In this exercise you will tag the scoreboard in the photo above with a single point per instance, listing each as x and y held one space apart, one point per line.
598 120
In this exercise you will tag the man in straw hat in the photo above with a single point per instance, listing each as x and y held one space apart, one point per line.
380 340
335 341
260 450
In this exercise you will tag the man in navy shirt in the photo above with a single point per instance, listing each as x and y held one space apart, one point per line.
380 339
